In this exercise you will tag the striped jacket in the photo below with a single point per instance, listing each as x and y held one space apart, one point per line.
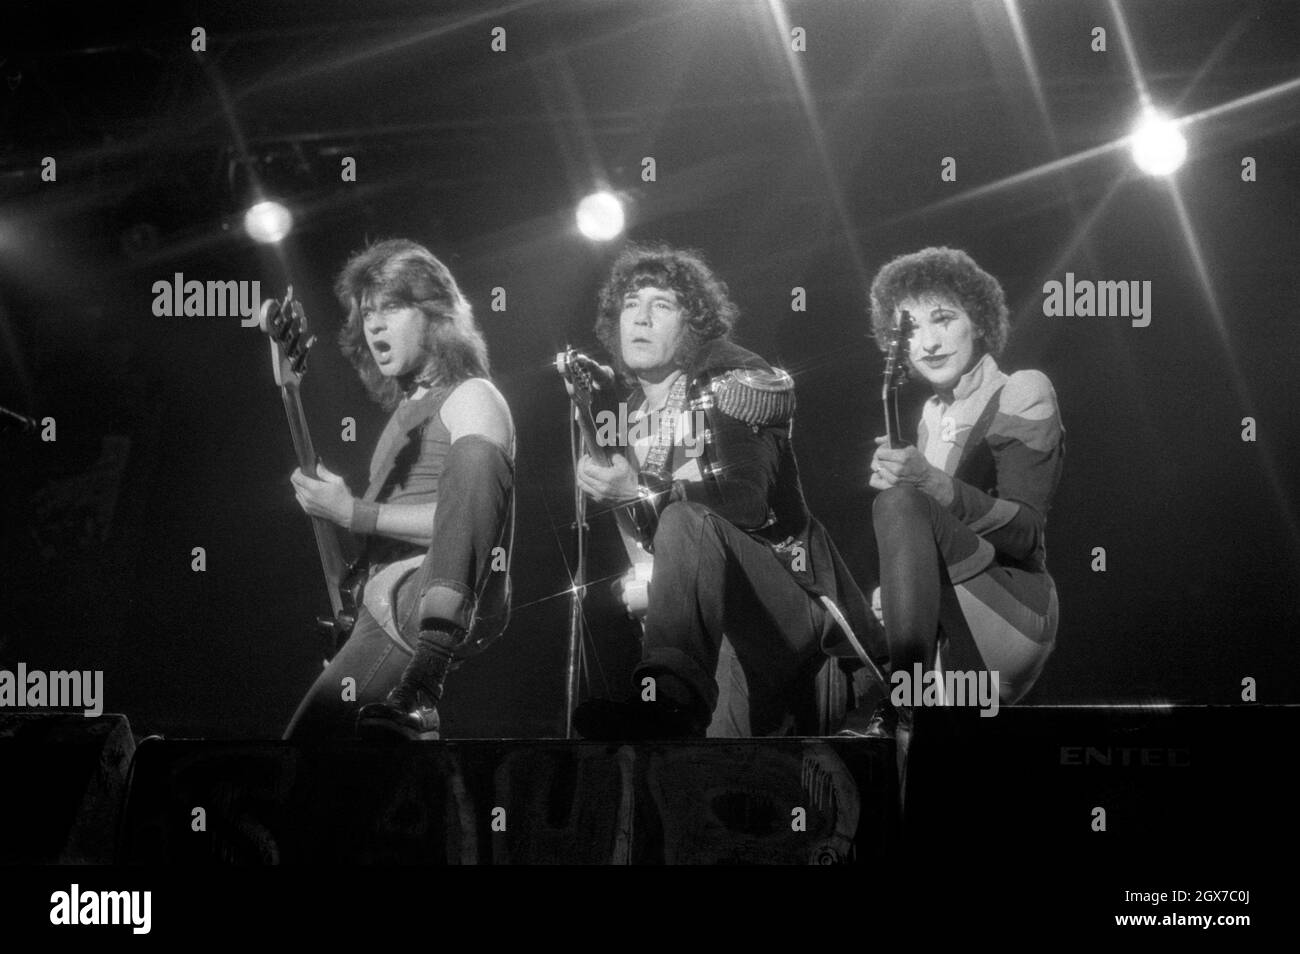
1004 483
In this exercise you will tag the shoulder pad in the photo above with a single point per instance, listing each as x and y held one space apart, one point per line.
1028 394
756 397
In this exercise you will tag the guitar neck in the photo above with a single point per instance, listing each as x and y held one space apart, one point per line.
893 426
327 541
895 373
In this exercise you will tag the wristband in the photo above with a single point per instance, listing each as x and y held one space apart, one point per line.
365 516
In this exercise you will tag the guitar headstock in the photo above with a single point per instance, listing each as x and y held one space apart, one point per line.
897 342
285 323
576 369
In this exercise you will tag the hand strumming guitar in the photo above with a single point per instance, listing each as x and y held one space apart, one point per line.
613 484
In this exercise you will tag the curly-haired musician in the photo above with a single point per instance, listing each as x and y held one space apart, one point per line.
961 517
736 552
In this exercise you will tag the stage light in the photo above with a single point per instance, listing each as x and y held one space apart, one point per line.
1158 146
600 216
267 222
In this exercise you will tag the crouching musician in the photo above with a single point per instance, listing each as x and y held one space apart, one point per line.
707 475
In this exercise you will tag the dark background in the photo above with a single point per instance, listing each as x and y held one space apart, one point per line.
787 169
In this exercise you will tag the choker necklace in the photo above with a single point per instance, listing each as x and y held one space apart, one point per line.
415 385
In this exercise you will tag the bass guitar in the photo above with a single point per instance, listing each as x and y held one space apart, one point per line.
285 325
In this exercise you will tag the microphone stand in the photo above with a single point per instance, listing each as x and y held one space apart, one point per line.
573 660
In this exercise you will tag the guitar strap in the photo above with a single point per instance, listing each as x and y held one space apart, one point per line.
417 415
658 459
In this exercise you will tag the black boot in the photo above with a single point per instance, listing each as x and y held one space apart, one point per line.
606 720
410 711
407 712
668 716
880 724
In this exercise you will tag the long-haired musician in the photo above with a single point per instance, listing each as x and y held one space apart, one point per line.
437 518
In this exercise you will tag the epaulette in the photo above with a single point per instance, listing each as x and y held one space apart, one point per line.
754 397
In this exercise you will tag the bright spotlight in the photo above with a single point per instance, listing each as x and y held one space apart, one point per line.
600 216
267 222
1158 146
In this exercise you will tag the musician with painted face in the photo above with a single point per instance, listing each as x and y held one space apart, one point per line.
960 519
735 549
437 520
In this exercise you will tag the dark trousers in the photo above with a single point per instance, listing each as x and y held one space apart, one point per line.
939 578
712 578
462 584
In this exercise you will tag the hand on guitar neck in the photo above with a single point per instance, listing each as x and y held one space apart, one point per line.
327 496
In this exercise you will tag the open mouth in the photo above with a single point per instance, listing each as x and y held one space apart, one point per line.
380 348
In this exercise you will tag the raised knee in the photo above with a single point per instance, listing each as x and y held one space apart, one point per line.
683 518
475 466
898 502
475 455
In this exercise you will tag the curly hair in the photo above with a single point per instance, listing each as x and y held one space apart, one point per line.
403 271
944 271
708 309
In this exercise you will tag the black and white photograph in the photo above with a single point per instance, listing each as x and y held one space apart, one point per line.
650 432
